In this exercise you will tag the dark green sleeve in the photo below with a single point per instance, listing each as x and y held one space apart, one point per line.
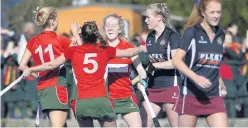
233 55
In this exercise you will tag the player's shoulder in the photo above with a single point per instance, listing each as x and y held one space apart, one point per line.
33 39
173 33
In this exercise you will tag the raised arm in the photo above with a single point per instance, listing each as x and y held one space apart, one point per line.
75 29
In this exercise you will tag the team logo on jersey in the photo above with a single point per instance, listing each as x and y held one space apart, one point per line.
162 42
157 58
149 43
202 41
209 60
219 41
174 95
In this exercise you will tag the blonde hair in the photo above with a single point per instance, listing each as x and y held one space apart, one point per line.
43 16
196 14
162 10
120 23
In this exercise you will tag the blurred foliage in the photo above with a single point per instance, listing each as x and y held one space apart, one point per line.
233 10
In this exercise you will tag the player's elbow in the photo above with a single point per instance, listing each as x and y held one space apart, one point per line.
175 61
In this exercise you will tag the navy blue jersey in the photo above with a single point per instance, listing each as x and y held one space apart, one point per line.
160 51
203 57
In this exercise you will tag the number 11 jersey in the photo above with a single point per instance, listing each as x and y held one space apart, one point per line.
46 47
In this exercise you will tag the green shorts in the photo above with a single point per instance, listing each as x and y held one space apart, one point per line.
96 108
53 98
126 105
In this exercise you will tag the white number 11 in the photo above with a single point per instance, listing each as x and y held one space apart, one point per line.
49 49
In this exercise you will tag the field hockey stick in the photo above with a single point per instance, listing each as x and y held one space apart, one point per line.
142 89
11 85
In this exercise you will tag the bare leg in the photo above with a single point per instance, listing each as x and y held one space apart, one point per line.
155 108
217 120
187 121
57 118
172 115
133 119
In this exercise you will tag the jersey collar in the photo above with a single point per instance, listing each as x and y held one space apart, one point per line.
217 29
52 33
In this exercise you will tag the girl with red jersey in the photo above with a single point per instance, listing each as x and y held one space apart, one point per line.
120 88
89 61
45 47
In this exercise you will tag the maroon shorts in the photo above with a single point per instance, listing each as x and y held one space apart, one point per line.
191 106
163 95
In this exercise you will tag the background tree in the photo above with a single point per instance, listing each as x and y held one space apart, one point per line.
233 10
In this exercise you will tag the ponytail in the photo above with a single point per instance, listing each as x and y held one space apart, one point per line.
101 39
194 18
196 15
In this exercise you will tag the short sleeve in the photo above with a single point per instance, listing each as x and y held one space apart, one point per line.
65 42
187 38
174 40
111 52
69 53
30 44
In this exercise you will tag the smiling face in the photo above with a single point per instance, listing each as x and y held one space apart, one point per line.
212 13
112 28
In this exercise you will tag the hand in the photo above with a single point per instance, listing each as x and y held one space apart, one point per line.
140 86
202 81
223 92
75 28
144 82
27 72
143 48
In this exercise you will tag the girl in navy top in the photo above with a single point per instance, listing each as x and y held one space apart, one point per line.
202 49
161 45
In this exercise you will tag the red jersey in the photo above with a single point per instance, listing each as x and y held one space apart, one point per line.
119 72
45 47
89 63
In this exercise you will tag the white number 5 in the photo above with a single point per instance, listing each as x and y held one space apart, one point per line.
87 60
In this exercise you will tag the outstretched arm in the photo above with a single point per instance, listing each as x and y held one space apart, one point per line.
130 52
46 66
